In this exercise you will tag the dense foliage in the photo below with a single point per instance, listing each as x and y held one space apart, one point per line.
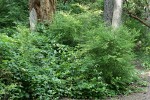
75 57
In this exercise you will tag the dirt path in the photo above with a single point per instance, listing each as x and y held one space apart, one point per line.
138 96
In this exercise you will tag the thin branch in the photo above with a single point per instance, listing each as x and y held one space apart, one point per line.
137 18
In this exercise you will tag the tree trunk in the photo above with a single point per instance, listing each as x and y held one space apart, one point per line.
33 19
108 11
116 19
148 15
43 9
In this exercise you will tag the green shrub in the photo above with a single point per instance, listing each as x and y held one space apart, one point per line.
110 52
12 12
65 28
74 57
38 66
77 8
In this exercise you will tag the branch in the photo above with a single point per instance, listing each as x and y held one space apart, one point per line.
137 18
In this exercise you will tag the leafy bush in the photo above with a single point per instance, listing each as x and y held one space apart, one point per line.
110 52
66 33
12 12
75 57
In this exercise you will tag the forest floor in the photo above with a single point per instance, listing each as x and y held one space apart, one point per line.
143 95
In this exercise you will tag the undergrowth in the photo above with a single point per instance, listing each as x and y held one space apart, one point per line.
76 57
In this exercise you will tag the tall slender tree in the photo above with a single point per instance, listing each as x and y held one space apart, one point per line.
117 13
148 14
113 12
108 11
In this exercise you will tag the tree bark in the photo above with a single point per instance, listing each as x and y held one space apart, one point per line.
108 11
33 19
117 13
148 15
44 9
